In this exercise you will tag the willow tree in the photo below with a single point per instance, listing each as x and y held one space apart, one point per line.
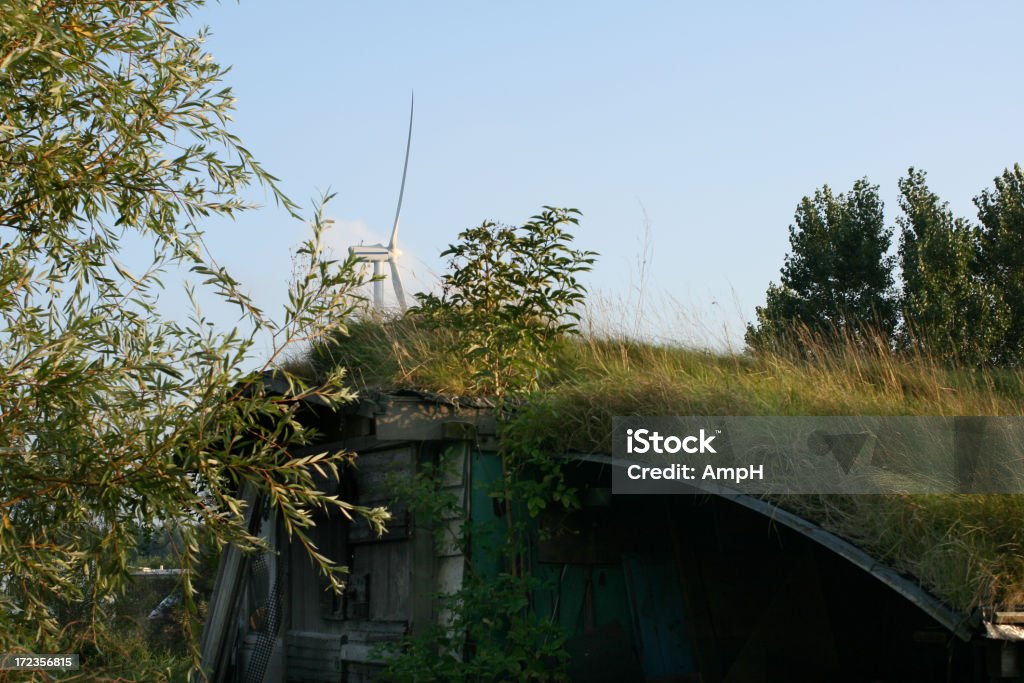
114 124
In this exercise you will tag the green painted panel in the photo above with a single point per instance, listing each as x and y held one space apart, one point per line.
660 614
487 528
610 598
611 625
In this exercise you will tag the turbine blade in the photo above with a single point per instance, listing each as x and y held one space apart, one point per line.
397 280
405 169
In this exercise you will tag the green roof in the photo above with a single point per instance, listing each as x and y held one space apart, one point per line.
968 550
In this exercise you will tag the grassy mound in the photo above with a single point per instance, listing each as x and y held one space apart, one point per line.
966 549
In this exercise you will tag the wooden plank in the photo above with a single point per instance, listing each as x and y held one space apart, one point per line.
384 460
361 672
458 430
357 595
305 599
311 600
449 541
359 530
450 572
374 631
413 419
313 657
364 445
421 586
458 510
1009 618
398 566
362 639
389 570
486 423
453 463
380 484
224 599
377 475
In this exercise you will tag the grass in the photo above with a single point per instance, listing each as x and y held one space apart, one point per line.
966 549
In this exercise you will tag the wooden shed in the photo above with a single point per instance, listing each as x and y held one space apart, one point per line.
273 618
716 588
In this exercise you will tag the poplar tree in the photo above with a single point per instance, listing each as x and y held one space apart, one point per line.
949 311
837 278
1001 255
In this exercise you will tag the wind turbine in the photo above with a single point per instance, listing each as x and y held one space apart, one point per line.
379 254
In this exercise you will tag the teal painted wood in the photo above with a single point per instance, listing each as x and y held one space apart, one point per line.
610 598
659 615
487 528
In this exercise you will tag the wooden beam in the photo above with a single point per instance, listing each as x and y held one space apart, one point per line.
224 599
1009 618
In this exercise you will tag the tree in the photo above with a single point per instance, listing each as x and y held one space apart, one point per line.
509 297
1001 254
113 418
837 278
510 294
949 312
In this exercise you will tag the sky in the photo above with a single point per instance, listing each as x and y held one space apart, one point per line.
686 133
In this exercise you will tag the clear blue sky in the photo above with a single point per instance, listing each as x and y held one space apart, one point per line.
713 119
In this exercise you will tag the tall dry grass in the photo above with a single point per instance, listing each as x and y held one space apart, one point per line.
966 549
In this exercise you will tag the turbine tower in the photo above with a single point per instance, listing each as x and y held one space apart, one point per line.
379 254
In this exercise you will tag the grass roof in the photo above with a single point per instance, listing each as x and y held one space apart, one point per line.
966 549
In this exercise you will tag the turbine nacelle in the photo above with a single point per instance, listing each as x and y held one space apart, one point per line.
372 252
